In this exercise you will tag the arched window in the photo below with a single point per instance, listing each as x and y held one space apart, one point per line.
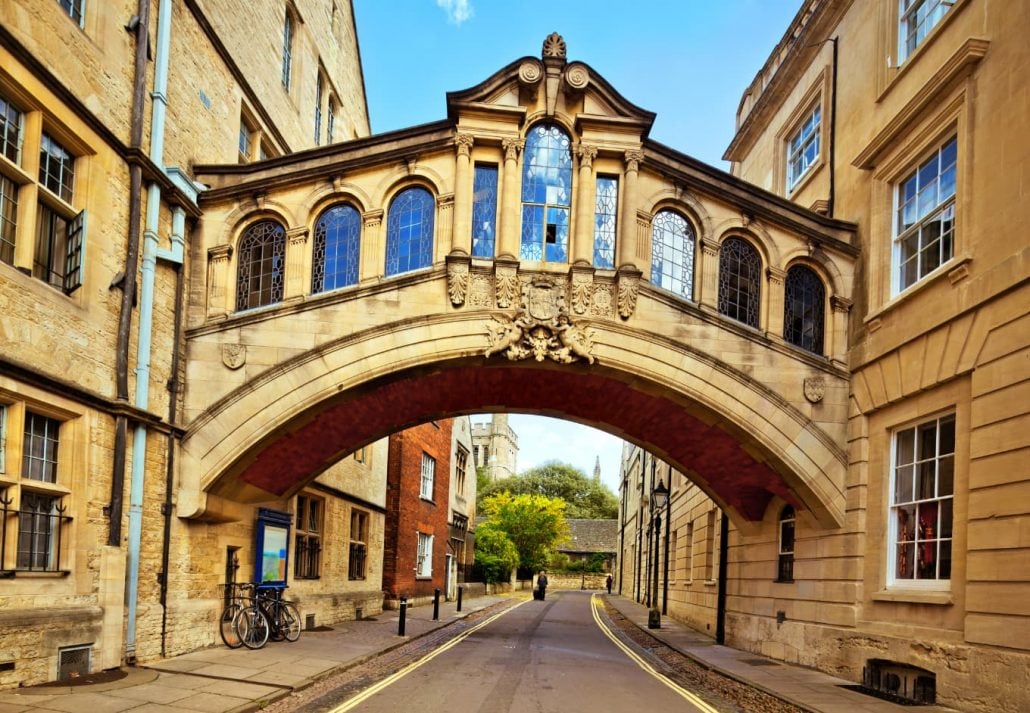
740 286
785 566
335 251
409 231
259 277
672 253
803 309
546 192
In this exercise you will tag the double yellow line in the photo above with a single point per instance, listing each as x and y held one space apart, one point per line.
390 680
676 688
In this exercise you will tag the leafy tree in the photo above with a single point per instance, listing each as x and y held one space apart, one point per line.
584 497
535 524
496 555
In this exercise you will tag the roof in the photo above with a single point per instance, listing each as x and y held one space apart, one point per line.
591 536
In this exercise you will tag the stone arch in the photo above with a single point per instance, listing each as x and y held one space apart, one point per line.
401 178
326 195
684 200
243 216
755 234
559 119
740 441
823 264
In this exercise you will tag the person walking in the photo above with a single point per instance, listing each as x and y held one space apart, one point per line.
608 583
541 584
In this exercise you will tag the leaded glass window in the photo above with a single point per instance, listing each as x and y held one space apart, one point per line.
11 123
922 494
409 231
56 168
925 225
546 194
740 270
336 249
604 221
804 309
259 279
484 210
672 253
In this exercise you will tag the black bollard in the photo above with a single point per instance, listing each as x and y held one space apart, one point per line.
460 590
404 612
436 605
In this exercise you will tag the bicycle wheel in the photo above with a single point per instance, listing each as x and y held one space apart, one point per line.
252 627
227 627
289 621
272 611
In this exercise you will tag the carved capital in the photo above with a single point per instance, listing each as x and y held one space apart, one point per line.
298 235
710 247
372 218
634 157
512 149
776 275
464 144
219 253
840 304
586 154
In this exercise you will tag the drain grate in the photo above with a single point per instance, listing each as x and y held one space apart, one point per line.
760 662
73 662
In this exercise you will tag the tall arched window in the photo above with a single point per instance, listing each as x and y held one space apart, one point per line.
803 309
785 563
335 251
409 231
672 253
259 276
546 194
740 287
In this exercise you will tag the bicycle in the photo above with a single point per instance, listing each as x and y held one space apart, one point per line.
234 598
249 623
282 616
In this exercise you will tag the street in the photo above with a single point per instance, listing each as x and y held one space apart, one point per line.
554 655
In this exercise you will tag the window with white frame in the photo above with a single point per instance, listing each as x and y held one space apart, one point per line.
58 255
803 148
428 477
915 20
39 449
921 503
925 224
74 8
424 560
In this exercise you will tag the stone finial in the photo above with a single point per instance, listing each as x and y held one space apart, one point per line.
554 46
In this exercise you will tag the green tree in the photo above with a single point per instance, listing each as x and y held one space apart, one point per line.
535 524
496 555
584 497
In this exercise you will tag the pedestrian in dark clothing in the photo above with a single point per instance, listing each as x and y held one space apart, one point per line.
541 584
608 583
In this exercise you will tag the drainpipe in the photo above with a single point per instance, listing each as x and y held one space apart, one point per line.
833 130
720 602
146 321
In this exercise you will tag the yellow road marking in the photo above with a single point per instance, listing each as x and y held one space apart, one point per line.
691 697
389 680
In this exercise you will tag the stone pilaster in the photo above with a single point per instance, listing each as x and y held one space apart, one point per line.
841 309
217 280
774 301
509 233
628 252
461 237
582 252
296 261
444 226
372 261
709 272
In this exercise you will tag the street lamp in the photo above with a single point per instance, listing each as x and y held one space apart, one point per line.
659 497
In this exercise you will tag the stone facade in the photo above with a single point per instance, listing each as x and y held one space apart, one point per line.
461 498
496 447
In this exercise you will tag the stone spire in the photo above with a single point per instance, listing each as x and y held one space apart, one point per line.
597 469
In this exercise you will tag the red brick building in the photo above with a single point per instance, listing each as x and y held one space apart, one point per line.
417 485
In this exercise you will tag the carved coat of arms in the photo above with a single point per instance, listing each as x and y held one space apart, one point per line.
541 329
234 355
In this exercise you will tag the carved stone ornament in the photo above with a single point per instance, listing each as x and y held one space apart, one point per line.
577 76
581 292
530 72
815 388
234 355
629 287
554 46
457 282
541 329
507 286
481 292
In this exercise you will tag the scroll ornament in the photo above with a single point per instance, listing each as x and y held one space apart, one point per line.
628 289
457 282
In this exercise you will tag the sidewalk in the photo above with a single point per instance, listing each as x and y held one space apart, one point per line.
222 680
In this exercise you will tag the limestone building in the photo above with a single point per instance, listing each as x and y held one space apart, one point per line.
462 500
496 447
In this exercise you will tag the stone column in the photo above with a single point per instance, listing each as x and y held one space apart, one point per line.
444 226
372 260
774 301
217 278
509 233
461 235
582 251
28 202
627 237
709 274
296 259
841 308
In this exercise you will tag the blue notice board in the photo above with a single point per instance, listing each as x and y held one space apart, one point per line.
273 547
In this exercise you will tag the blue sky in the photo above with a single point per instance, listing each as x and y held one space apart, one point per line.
688 61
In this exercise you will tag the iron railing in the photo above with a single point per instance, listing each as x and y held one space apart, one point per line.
38 533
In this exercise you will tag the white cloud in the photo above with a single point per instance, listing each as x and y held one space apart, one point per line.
457 10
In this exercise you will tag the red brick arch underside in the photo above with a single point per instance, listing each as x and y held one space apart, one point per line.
682 433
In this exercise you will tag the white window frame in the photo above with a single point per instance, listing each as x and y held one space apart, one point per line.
424 556
428 477
908 15
893 581
797 153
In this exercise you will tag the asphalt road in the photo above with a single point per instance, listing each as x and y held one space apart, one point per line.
537 657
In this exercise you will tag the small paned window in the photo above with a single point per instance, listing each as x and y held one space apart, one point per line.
915 20
740 270
409 231
56 168
287 49
330 124
925 226
318 109
259 279
785 562
74 8
428 477
8 218
336 246
39 523
424 556
922 495
672 254
804 309
710 546
484 210
546 194
244 143
39 449
690 551
12 122
461 459
604 221
307 558
803 148
358 545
